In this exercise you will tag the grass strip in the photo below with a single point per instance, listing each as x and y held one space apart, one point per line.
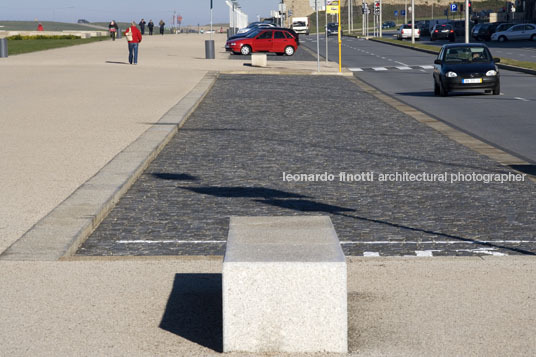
16 47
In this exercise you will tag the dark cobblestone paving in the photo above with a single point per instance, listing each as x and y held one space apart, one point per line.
230 156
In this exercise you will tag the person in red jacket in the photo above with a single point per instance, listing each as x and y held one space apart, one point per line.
40 27
133 36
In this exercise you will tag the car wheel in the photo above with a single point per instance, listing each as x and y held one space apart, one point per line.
245 50
436 88
533 38
497 89
289 50
442 90
502 39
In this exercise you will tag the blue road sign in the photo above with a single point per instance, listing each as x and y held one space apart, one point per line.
453 7
396 13
402 12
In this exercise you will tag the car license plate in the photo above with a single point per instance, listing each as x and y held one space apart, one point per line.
472 80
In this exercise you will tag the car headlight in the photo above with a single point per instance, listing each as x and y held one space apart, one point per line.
451 74
491 73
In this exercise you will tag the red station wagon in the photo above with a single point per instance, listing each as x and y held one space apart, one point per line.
279 41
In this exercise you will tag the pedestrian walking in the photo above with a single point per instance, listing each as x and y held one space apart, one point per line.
150 25
134 37
113 28
142 26
162 24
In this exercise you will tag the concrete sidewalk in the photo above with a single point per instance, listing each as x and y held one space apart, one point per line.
67 112
172 307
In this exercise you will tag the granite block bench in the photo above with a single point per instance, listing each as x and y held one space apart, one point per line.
284 286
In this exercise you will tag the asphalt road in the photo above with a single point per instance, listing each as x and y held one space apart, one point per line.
506 121
518 50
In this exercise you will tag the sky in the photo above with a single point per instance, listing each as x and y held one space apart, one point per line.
193 11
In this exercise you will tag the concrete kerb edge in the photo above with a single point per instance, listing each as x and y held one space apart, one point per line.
59 234
453 133
500 65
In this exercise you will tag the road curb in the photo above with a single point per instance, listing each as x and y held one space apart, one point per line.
66 227
500 65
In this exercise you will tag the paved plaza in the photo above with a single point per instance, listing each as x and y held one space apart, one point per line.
230 157
162 296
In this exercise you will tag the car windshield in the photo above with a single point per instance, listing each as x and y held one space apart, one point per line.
466 55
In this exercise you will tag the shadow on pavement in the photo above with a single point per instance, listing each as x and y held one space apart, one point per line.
175 177
526 169
114 62
194 310
313 206
247 192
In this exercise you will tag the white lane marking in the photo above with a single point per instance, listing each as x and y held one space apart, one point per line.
371 254
488 251
142 241
402 63
379 68
427 67
403 68
383 58
425 253
522 99
356 69
441 242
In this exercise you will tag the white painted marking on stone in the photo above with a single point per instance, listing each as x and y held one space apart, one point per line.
403 68
379 68
441 242
142 241
356 69
425 253
487 251
427 67
371 254
522 99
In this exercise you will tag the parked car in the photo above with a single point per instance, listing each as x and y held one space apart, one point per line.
466 66
405 32
254 25
255 31
423 27
484 31
516 32
280 41
443 32
333 28
504 26
459 27
388 24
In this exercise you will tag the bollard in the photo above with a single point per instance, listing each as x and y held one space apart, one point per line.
209 49
3 47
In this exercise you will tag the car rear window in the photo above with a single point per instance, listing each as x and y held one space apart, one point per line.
288 35
467 54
